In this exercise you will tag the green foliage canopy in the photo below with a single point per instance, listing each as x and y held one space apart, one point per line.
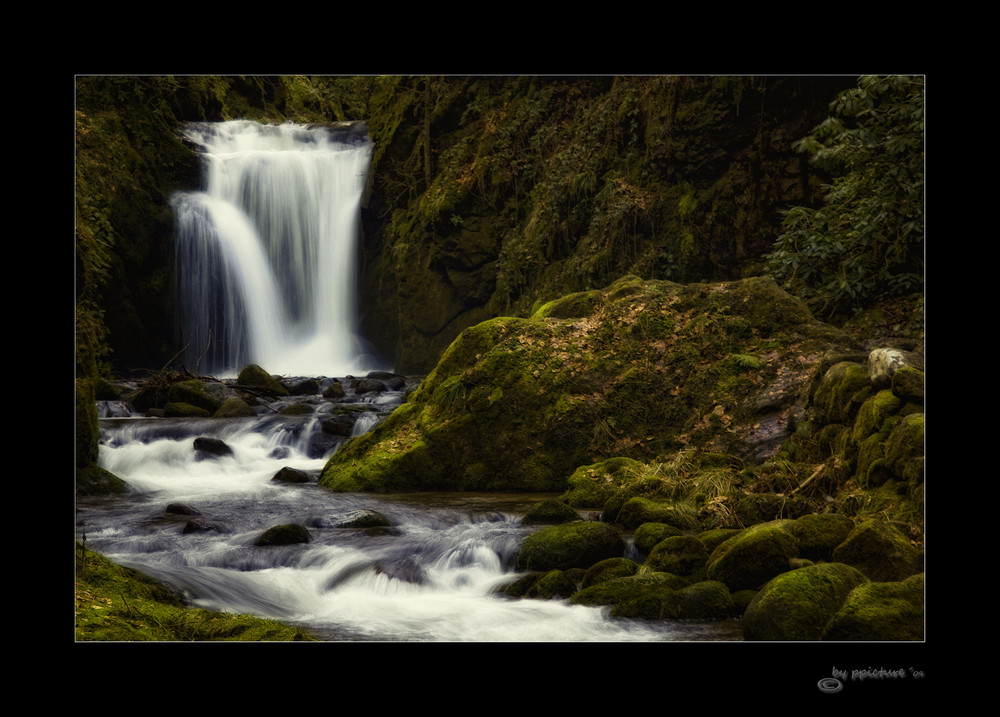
865 242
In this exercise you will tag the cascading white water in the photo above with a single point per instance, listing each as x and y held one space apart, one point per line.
267 252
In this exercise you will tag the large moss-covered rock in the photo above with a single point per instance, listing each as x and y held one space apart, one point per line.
753 556
647 535
881 611
521 403
639 595
819 534
609 569
550 512
570 545
880 551
681 554
797 605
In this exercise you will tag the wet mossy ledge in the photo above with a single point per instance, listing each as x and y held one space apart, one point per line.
119 604
756 463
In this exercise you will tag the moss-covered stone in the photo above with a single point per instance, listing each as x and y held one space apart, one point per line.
647 535
819 534
609 569
881 611
683 555
639 510
904 449
841 391
639 595
235 407
798 604
551 585
880 551
255 376
570 545
753 556
550 512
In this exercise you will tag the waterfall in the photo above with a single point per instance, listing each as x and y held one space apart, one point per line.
267 250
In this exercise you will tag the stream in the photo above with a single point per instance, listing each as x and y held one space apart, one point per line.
191 520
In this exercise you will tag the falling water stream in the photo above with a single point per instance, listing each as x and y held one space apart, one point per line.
266 261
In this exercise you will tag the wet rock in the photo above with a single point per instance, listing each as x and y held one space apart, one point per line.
181 509
288 534
365 519
290 475
208 446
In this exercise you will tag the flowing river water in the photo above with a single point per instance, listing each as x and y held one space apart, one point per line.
431 577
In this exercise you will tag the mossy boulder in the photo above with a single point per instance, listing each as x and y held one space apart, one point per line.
797 605
904 449
571 545
550 512
207 395
753 556
880 551
819 534
647 535
683 555
881 611
609 569
256 377
518 404
639 510
551 585
841 391
235 407
639 595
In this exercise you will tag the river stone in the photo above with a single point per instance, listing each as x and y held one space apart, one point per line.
364 519
288 534
579 544
211 446
290 475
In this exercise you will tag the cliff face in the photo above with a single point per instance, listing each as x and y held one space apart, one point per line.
489 195
495 194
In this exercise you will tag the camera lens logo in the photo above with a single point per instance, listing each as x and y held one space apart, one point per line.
830 685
